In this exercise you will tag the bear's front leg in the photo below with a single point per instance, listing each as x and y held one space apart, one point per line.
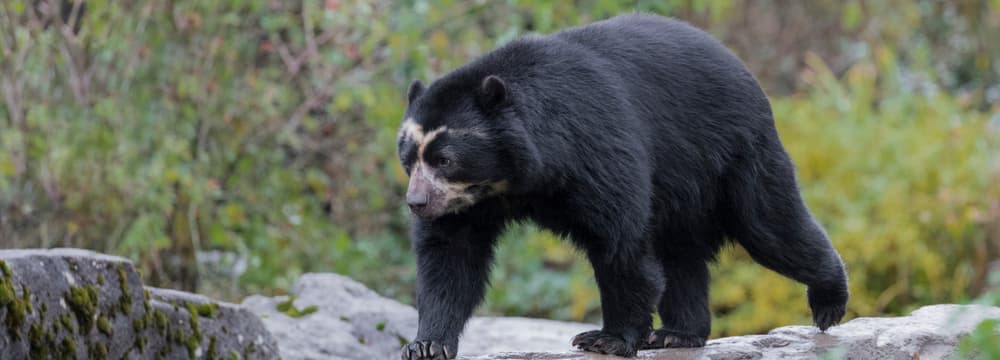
453 261
629 289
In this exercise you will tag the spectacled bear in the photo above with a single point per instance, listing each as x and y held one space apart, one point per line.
641 139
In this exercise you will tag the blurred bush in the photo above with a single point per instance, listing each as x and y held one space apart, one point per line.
229 146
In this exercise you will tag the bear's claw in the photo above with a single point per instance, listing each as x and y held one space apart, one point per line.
665 338
426 350
604 343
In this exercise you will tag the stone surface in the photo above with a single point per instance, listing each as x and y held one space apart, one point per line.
931 332
67 303
353 322
77 304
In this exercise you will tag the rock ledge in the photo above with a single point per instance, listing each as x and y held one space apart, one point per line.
77 304
353 322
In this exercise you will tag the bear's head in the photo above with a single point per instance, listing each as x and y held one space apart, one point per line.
459 144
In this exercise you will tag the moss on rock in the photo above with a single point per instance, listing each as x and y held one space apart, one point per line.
98 351
208 310
66 321
67 348
211 354
83 301
17 308
104 325
125 301
5 269
193 319
288 308
40 342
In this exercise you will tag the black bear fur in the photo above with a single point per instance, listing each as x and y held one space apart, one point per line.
640 138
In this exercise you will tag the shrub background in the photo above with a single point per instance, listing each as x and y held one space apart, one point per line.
229 146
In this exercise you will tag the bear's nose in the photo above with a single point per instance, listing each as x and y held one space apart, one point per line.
416 200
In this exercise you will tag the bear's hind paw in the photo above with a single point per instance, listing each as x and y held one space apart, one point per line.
604 343
665 338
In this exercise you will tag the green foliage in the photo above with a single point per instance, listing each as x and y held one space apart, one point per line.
982 343
237 144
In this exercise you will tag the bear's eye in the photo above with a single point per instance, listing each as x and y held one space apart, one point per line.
443 162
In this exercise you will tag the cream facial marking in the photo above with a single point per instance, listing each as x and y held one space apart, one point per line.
422 144
455 196
410 129
415 132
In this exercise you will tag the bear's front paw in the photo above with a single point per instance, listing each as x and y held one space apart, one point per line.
605 343
427 350
827 315
828 306
666 338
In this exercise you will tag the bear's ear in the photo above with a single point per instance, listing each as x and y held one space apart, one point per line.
493 93
416 88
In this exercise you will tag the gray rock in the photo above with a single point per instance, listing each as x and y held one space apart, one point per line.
931 332
353 322
69 303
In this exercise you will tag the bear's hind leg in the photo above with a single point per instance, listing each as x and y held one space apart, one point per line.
683 307
773 224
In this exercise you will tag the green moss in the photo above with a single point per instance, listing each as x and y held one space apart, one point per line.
160 319
380 326
146 302
140 343
208 310
233 355
361 340
176 337
26 297
45 308
100 279
5 269
193 319
345 319
125 301
286 305
7 295
103 325
308 310
67 348
83 301
67 322
40 342
98 351
139 324
192 345
211 354
249 350
17 308
402 340
288 308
